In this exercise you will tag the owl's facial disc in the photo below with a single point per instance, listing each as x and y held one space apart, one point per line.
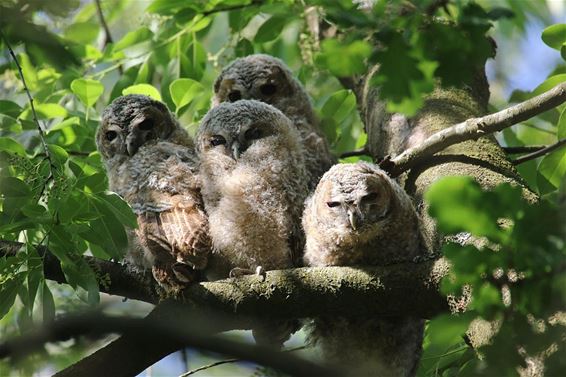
141 131
358 211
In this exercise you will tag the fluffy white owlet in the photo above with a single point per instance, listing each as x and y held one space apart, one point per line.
268 79
254 187
151 162
360 216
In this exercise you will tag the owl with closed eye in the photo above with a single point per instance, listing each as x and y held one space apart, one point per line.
151 162
268 79
359 216
254 187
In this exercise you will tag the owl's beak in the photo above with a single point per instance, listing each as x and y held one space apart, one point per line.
353 218
236 150
132 144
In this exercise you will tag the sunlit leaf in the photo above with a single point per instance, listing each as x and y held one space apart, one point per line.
87 90
47 303
333 53
549 83
561 130
183 91
45 111
82 32
552 171
132 38
555 36
145 89
339 105
10 145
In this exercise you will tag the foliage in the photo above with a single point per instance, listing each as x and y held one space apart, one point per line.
513 261
173 50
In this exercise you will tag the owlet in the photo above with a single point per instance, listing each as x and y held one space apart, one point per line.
360 216
151 162
268 79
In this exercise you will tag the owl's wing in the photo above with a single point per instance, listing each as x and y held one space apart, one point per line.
177 235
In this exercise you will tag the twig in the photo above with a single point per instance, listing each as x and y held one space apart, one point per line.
227 361
107 35
523 149
475 128
35 118
540 152
188 329
356 152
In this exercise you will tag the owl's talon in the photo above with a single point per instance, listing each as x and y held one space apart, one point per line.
260 271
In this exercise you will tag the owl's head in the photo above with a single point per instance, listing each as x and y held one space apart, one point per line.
232 129
263 78
357 197
131 121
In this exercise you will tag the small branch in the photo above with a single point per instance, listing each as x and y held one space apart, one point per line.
356 152
523 149
227 361
475 128
30 100
188 329
107 35
541 152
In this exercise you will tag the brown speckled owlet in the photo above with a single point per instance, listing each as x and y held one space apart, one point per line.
151 162
359 216
254 187
268 79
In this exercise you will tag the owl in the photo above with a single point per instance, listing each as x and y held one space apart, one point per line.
268 79
151 162
359 216
254 187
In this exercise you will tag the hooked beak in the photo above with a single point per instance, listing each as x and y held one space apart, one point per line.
132 144
353 218
236 150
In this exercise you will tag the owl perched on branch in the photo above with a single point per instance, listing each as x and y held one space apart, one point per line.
360 216
268 79
151 162
254 187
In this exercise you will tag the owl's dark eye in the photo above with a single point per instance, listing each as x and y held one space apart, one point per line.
146 125
332 204
252 134
217 140
370 197
268 89
235 95
110 135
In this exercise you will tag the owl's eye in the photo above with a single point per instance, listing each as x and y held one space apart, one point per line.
370 197
146 125
252 134
110 135
332 204
235 95
217 140
268 89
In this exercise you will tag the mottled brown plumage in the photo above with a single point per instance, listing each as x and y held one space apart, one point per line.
360 216
268 79
151 163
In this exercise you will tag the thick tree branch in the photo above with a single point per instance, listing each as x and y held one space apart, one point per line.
474 128
187 329
540 152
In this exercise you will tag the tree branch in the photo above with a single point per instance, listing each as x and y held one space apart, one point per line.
107 35
474 128
188 329
540 152
356 152
523 149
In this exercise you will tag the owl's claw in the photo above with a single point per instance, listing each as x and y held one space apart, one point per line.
238 272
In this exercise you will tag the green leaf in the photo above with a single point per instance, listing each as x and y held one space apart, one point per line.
183 91
120 208
554 36
145 89
10 145
82 32
10 108
270 29
14 188
87 90
47 303
339 105
194 62
244 48
8 292
549 83
45 111
167 7
552 171
561 130
333 53
58 155
133 38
